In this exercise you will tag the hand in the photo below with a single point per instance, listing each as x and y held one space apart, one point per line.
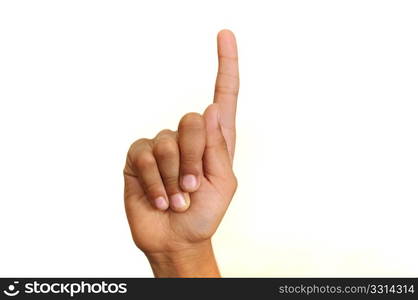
179 184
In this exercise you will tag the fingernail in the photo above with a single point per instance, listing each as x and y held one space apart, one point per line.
161 203
178 201
189 182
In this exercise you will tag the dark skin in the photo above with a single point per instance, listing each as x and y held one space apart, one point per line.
179 184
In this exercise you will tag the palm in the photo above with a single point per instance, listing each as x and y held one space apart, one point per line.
155 230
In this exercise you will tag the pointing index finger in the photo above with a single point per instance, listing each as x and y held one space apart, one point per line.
227 85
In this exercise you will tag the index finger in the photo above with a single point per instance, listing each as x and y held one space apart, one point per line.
227 86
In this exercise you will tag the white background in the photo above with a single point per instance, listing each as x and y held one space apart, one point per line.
327 131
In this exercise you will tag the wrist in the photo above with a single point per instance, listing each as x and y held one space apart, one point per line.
192 260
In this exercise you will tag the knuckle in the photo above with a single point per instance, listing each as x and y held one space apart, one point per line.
171 184
144 160
229 58
192 120
153 188
228 76
135 151
165 148
191 168
190 160
165 132
227 90
170 181
134 147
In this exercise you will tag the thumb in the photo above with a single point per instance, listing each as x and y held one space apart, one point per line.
216 158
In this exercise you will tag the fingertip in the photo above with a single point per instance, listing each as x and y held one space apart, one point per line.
190 183
227 45
180 202
226 33
161 203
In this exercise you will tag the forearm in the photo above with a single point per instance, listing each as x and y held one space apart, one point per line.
197 260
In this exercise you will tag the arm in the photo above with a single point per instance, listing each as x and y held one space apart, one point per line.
197 261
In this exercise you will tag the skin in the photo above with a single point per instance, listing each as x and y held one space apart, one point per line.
175 235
